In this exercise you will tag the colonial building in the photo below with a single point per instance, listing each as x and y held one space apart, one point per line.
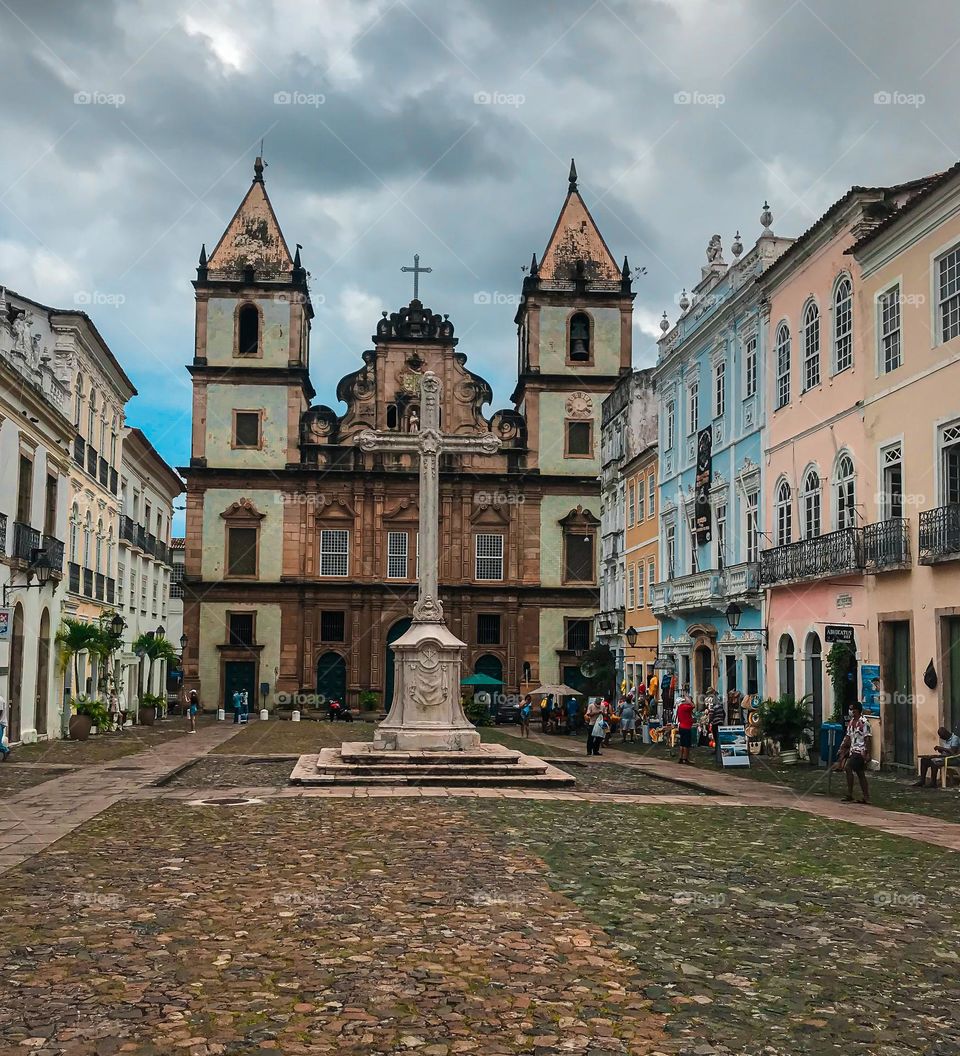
36 438
301 549
710 378
823 543
148 487
909 297
628 430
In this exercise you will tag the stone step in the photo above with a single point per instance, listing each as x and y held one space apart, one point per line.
365 755
439 770
424 780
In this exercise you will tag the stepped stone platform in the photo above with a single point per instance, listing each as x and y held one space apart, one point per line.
486 766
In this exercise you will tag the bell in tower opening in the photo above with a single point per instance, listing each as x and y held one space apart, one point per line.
580 338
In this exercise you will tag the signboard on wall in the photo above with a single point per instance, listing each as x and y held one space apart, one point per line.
870 689
701 503
5 624
838 632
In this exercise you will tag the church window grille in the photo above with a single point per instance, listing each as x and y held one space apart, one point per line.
488 628
334 551
248 330
241 628
489 555
332 625
397 544
578 635
241 554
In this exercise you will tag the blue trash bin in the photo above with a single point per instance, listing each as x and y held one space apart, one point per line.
828 752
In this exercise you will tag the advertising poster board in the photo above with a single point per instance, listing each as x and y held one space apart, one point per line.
5 625
870 689
734 750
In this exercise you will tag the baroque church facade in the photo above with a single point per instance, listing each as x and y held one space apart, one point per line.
301 548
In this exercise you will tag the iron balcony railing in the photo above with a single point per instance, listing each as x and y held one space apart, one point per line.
111 590
79 451
833 554
127 528
88 582
25 540
99 589
140 537
103 474
151 544
54 551
91 461
886 545
939 533
114 480
73 584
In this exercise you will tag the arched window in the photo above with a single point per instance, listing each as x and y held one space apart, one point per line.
786 662
248 330
843 325
109 567
103 432
113 441
845 483
391 416
811 347
91 416
811 505
579 338
77 401
783 365
87 531
75 534
784 515
99 545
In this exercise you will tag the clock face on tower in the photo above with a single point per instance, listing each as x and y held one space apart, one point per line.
580 405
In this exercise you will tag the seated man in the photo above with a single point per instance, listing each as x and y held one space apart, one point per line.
949 745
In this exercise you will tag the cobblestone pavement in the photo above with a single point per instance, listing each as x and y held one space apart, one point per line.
386 927
102 748
15 777
293 738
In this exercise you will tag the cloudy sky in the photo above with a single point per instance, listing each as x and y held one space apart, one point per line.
443 127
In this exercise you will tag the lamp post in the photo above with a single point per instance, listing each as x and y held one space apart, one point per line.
631 636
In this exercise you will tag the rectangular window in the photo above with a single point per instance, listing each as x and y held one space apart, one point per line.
694 540
240 628
580 439
631 587
641 497
948 294
631 504
670 427
753 675
241 554
50 506
950 455
752 533
578 634
651 578
332 625
693 407
892 497
121 597
651 496
720 519
889 310
578 557
670 550
25 490
246 430
750 367
397 555
488 628
720 390
334 552
640 600
489 557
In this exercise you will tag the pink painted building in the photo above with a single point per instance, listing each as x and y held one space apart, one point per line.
818 461
908 298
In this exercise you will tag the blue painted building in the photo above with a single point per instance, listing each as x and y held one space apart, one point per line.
710 383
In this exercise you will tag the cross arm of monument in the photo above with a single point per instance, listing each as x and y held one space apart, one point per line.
482 443
375 440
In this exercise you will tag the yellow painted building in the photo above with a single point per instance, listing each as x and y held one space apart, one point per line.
640 559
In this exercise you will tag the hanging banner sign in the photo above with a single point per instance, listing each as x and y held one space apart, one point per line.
701 504
838 632
5 624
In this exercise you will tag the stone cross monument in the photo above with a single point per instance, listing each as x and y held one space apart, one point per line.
426 712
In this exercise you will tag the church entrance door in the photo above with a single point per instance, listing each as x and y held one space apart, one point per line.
242 675
399 628
332 678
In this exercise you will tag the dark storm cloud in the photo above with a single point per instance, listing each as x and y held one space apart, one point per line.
445 129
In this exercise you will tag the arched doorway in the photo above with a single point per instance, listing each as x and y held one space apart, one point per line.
813 683
43 675
332 677
842 663
397 630
786 661
702 671
491 666
16 675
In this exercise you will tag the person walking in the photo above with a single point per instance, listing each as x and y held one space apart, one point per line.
573 715
597 732
193 707
526 710
857 742
3 728
718 716
685 726
628 721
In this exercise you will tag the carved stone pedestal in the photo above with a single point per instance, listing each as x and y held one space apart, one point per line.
426 713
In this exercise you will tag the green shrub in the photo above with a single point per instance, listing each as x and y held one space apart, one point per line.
786 720
95 709
477 712
369 700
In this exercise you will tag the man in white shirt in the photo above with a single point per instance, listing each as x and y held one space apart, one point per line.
858 746
949 745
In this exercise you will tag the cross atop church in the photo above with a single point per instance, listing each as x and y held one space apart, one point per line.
429 443
417 272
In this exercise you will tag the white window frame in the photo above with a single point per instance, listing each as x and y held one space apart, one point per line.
651 495
945 433
940 300
720 531
720 389
631 587
488 557
751 524
783 513
335 552
842 324
631 503
641 497
811 499
651 577
890 455
810 334
641 601
884 332
398 555
783 353
750 367
670 548
670 425
693 406
844 492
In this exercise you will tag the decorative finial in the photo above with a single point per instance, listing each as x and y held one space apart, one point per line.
737 246
766 218
534 266
664 323
573 175
258 170
203 255
296 257
625 270
684 301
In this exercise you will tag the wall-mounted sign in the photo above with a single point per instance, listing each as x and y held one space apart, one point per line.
870 688
5 624
701 503
838 632
844 601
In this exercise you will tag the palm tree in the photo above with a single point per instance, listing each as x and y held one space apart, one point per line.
73 638
154 648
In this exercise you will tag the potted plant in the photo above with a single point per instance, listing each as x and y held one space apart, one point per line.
88 714
369 702
786 721
149 706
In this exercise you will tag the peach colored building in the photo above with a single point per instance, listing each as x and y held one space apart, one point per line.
909 303
640 561
818 462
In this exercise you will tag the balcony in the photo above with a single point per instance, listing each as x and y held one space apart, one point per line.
99 586
103 472
837 553
91 461
73 583
886 545
25 541
703 590
88 582
608 623
127 528
114 481
111 591
140 536
151 544
54 551
939 534
79 451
